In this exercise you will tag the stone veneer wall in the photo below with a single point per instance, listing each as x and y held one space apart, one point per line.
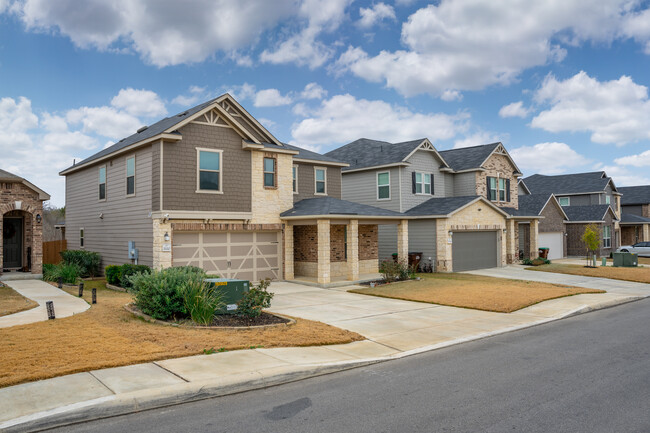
268 203
498 165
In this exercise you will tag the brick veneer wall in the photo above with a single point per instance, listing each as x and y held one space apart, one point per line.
575 245
30 206
368 242
306 243
631 235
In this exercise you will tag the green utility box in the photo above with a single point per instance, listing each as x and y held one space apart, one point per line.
233 291
627 260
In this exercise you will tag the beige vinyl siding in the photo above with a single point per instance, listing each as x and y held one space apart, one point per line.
423 162
449 184
124 218
465 184
422 239
361 187
307 187
155 176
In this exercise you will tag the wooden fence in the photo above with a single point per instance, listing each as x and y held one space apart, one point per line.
51 251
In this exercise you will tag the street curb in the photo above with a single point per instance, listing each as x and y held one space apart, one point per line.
132 402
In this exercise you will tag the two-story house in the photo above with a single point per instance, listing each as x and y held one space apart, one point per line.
587 198
459 201
635 214
211 187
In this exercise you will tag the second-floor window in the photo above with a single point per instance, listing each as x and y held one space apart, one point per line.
498 189
383 186
607 237
209 175
320 178
295 179
502 189
130 176
269 172
564 201
422 183
102 183
608 199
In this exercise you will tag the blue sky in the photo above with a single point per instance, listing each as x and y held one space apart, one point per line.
564 85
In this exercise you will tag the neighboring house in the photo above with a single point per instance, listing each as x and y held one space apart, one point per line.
211 187
585 198
21 214
457 200
635 214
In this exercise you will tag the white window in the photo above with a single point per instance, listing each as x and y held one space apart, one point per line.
269 172
608 199
102 183
81 238
208 176
130 176
422 183
607 237
383 185
427 183
295 179
320 179
493 188
564 201
502 189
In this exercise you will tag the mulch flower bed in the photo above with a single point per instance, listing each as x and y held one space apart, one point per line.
263 319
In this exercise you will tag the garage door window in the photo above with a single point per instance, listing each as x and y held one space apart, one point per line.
209 170
607 237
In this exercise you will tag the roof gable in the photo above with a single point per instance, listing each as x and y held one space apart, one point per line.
366 153
590 213
447 206
474 157
577 183
635 194
12 178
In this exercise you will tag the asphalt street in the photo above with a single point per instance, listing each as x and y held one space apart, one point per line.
589 373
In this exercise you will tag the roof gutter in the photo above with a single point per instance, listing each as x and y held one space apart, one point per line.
316 161
344 216
374 167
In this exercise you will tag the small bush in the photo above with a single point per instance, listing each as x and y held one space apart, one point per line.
88 261
69 273
127 270
255 300
201 300
389 269
159 293
536 262
112 273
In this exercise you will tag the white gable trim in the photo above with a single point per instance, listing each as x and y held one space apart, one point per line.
501 150
427 146
251 119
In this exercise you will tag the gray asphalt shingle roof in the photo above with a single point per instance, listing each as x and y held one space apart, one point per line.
466 158
631 218
635 194
440 205
5 175
530 205
334 206
364 152
303 153
567 183
594 212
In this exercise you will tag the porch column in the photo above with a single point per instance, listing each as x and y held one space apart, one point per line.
288 252
1 241
534 232
324 251
353 250
646 232
37 245
162 249
511 252
403 241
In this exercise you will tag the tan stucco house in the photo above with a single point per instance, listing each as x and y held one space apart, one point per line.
21 238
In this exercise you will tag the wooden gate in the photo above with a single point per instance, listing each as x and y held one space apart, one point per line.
51 251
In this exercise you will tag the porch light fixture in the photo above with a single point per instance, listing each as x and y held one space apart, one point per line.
38 218
166 237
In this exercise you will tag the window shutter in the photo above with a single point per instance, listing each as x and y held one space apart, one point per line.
413 181
432 192
508 190
489 191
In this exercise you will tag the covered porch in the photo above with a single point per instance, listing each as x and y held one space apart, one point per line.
634 229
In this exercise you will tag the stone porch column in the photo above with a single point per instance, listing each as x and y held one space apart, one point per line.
443 262
511 251
646 232
353 250
162 259
37 244
288 252
534 233
324 252
403 241
1 240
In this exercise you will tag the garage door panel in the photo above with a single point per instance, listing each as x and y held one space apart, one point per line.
267 249
474 250
184 253
242 238
267 237
267 262
221 251
215 238
186 239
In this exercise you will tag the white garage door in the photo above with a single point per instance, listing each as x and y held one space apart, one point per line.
554 241
249 256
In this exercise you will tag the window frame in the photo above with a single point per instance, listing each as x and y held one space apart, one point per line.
608 199
99 183
607 237
82 237
274 172
495 188
324 169
198 171
425 184
568 201
501 191
126 170
294 176
383 185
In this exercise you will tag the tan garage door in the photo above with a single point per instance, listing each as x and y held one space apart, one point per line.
249 256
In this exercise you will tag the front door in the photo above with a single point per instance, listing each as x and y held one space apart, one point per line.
12 242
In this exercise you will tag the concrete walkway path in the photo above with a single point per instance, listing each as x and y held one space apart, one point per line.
393 329
64 304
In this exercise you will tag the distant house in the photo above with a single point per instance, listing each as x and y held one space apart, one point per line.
21 213
635 214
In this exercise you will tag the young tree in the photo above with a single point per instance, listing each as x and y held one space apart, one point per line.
591 238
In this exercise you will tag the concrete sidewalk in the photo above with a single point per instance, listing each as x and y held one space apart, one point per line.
64 304
393 329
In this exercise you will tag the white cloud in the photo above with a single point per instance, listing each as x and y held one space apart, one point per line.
515 109
640 160
478 138
162 32
301 109
139 103
271 98
451 95
471 44
106 121
548 158
313 91
372 15
616 111
344 118
624 176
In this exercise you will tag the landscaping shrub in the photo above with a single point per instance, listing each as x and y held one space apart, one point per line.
159 293
112 273
389 269
69 273
201 300
88 261
255 300
127 270
536 262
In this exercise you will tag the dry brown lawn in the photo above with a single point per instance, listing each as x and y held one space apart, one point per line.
639 275
13 302
108 336
474 291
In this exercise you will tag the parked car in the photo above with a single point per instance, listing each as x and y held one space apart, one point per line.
640 248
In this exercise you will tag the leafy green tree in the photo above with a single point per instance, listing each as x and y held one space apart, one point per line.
591 238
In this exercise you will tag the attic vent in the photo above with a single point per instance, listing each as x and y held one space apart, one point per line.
184 113
144 128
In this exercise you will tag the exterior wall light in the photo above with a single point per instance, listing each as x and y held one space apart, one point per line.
166 237
38 218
